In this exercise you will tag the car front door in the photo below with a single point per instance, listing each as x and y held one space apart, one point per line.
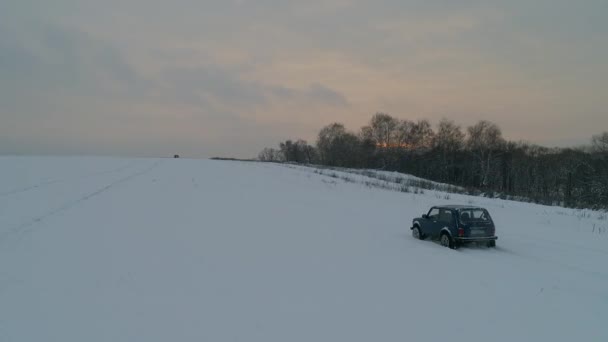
431 224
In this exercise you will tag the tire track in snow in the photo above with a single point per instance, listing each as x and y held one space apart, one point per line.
553 262
566 246
29 225
56 181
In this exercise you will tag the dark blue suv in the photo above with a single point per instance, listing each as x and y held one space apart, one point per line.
455 225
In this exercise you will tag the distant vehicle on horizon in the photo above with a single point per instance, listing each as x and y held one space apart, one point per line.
455 225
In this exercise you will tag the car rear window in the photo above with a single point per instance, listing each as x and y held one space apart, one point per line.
474 215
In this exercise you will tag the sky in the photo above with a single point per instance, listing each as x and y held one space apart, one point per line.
228 78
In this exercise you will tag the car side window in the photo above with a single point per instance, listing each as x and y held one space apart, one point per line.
434 214
465 216
471 215
445 216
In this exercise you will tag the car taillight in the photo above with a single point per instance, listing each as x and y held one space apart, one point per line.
493 231
461 232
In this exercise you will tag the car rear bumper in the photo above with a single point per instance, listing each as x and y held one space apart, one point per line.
475 239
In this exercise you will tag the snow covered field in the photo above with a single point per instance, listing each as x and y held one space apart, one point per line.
109 249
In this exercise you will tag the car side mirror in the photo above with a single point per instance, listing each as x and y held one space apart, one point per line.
425 216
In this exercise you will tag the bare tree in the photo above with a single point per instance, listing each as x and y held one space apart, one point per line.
298 152
422 134
327 136
270 155
449 136
337 147
306 153
599 143
484 139
448 140
404 134
382 129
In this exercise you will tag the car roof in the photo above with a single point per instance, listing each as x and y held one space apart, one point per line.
456 206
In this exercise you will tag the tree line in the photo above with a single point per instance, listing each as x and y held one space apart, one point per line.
477 158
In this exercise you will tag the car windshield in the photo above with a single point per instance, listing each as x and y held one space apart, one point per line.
474 215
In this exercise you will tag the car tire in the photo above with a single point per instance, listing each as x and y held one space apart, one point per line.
417 234
491 244
446 240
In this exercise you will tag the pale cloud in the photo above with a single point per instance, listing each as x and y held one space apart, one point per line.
231 77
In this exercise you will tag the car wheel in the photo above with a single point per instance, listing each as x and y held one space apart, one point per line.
491 244
417 234
446 241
